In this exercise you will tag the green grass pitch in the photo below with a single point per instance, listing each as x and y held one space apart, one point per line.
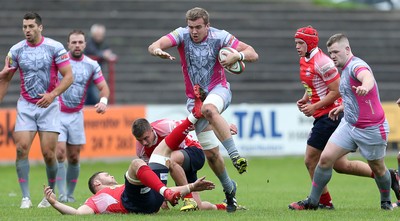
267 188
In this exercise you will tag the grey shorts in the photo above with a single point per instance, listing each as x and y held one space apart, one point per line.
224 93
371 141
30 117
72 128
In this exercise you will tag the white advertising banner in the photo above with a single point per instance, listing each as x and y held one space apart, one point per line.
263 129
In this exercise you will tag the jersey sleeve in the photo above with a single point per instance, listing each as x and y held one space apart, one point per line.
176 36
61 56
97 73
13 59
229 40
326 69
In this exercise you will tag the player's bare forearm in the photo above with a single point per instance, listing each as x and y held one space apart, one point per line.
3 88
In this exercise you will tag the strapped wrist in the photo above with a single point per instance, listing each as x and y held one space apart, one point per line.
241 56
104 100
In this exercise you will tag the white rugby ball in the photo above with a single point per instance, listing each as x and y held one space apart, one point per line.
237 67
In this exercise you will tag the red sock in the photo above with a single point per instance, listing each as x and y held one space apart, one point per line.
149 178
178 135
189 195
372 175
220 206
326 199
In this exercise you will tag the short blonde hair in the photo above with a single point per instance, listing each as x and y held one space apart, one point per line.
196 13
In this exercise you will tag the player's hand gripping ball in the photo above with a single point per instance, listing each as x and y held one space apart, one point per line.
237 67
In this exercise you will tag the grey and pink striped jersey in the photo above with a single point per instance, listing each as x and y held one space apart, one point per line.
38 66
84 71
360 111
199 61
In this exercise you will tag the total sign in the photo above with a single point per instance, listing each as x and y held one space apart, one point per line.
263 129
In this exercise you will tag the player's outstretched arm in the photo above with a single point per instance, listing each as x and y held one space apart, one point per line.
62 208
200 185
157 48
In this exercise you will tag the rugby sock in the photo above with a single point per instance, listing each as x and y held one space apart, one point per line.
189 195
229 145
148 178
175 138
384 184
226 182
72 178
60 180
51 171
321 178
326 199
23 176
220 206
372 175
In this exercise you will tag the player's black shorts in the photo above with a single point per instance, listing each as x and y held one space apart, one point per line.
143 199
194 161
323 128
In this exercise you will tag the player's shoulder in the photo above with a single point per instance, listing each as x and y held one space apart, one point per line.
321 58
18 45
218 32
48 40
90 61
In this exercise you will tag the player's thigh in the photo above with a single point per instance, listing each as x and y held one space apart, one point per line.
48 140
24 139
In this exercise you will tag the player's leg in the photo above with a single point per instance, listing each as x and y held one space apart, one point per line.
372 143
25 131
76 140
322 175
23 141
191 160
353 167
209 142
48 143
322 129
333 150
73 157
61 153
154 176
212 107
383 181
214 104
49 124
311 159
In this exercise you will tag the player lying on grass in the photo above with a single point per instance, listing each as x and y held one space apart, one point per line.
144 190
185 162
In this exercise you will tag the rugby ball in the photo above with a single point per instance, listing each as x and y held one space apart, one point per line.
237 67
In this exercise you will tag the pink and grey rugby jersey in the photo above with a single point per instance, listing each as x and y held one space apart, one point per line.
38 66
84 70
360 111
199 61
163 128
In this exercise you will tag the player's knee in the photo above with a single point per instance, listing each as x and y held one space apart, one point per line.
212 155
22 149
137 163
209 111
74 159
48 156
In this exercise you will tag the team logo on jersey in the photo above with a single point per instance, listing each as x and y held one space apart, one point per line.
308 71
64 57
10 56
145 190
163 176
